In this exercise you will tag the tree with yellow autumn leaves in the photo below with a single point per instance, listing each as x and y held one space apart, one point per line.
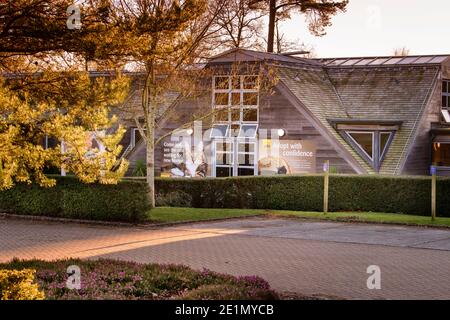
47 93
76 114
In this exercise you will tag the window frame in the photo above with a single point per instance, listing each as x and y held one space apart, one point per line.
235 154
378 155
134 132
445 96
446 93
388 142
230 106
241 130
253 153
219 125
349 134
238 138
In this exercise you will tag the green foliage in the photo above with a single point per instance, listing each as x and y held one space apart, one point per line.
333 170
409 195
174 199
140 168
125 201
18 285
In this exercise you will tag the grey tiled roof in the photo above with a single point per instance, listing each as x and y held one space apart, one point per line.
371 93
369 88
314 90
235 55
387 94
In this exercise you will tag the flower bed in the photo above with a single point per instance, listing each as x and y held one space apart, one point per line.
112 279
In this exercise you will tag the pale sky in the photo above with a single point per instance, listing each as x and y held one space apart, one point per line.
377 27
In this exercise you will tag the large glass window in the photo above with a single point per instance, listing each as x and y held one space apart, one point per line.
441 154
235 102
371 145
236 99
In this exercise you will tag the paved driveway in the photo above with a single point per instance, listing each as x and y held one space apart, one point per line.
296 256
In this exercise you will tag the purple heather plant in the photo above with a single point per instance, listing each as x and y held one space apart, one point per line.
117 280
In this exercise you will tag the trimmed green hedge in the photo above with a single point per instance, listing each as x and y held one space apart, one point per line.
127 201
392 194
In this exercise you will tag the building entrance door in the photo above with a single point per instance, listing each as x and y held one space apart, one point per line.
234 157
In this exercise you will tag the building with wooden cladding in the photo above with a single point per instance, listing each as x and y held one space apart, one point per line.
368 115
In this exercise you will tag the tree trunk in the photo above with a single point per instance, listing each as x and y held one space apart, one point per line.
149 100
151 167
271 35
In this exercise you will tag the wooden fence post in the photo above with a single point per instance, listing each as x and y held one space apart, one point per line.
326 169
433 193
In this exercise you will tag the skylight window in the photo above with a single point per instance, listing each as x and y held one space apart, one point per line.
219 130
248 131
446 115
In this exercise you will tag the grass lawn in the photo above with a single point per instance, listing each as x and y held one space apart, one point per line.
175 214
169 214
366 217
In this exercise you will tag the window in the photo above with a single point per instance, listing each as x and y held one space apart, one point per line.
384 139
235 157
219 131
224 158
49 142
365 142
446 115
371 145
246 159
236 98
249 115
135 137
445 101
441 154
446 94
248 131
235 102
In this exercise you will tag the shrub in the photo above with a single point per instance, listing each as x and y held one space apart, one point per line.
405 194
174 199
18 285
228 292
127 201
123 280
140 168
